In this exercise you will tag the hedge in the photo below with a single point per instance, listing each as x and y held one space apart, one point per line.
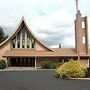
48 64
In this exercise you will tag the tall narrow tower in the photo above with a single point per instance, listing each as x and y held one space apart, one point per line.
81 33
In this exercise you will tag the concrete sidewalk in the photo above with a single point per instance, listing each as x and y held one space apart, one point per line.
24 69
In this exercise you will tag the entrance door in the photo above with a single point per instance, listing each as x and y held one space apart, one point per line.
22 62
14 61
32 62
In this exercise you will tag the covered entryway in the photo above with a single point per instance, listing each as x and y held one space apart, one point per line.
22 62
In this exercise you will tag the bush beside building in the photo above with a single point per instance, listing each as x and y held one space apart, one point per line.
48 64
71 69
2 64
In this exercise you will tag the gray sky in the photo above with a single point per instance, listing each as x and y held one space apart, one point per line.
52 21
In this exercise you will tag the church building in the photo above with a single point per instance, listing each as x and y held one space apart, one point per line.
23 48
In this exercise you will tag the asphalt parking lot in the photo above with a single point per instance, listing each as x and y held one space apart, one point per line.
39 80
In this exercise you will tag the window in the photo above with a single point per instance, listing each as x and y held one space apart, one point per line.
28 40
83 24
13 43
18 40
23 38
83 39
32 42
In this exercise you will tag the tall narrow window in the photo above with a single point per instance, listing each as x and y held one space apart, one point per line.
23 38
83 39
32 42
13 43
28 40
18 40
83 24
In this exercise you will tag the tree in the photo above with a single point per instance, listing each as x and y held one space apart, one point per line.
2 35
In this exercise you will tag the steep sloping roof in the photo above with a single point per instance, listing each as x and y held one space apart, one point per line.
17 30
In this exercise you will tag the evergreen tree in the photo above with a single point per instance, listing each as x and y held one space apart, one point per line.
2 35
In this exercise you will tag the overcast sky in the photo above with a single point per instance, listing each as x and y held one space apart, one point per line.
52 21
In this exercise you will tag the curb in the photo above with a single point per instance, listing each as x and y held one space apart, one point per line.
80 78
8 70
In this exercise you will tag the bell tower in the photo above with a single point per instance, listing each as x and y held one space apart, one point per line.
81 33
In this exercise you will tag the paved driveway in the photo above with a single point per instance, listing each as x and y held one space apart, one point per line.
39 80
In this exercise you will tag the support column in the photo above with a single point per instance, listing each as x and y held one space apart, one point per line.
8 62
63 61
35 63
88 63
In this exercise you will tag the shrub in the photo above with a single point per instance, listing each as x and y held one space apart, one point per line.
71 69
53 65
48 64
88 72
59 64
2 64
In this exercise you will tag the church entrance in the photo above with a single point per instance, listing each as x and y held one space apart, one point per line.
22 62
